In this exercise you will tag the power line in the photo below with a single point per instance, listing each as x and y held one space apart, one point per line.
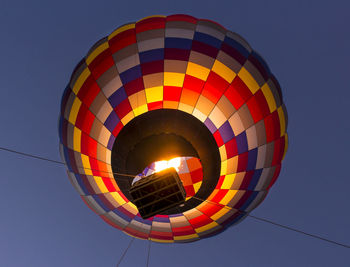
277 224
125 251
62 163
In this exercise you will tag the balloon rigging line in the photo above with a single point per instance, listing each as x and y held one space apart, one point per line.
125 251
298 231
62 163
31 155
277 224
221 205
149 251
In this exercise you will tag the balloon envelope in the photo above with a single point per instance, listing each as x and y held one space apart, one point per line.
188 80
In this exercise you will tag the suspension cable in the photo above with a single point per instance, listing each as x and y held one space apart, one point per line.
276 224
62 163
208 201
149 251
125 251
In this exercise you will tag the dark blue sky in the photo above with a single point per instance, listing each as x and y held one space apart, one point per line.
44 222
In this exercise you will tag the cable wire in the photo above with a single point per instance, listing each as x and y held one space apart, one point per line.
31 155
125 251
149 251
277 224
62 163
221 205
298 231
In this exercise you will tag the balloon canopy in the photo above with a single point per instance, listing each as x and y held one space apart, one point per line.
169 87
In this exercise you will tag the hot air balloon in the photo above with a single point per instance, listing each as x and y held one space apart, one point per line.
170 87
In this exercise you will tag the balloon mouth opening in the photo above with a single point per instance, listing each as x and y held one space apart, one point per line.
163 137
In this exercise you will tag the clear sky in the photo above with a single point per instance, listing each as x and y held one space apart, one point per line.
44 222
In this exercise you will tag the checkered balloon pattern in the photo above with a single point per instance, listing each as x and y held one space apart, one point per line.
182 63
